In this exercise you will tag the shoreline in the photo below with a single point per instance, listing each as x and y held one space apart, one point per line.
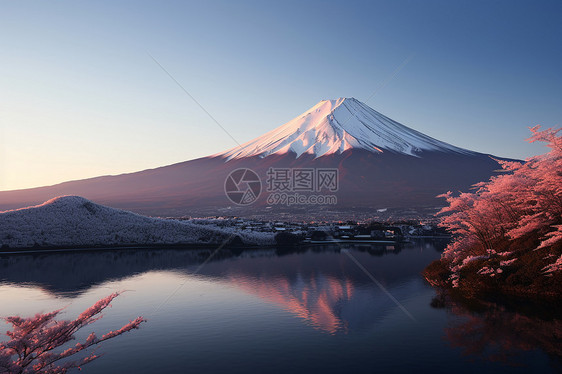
188 246
62 249
476 287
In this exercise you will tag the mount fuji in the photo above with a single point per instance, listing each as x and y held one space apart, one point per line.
381 163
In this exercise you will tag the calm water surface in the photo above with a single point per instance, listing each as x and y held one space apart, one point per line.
268 311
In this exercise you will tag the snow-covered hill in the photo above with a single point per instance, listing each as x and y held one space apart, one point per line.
334 126
74 221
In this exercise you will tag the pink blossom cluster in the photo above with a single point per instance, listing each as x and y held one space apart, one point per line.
525 200
34 340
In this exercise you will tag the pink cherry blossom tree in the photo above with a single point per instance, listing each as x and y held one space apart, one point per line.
517 211
33 343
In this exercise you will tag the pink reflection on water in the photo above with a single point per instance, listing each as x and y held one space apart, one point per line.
314 300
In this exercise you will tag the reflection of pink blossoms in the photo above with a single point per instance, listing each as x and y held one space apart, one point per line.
34 339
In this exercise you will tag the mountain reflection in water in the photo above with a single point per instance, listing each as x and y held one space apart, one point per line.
317 284
248 308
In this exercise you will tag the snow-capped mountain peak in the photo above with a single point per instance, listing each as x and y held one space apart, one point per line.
334 126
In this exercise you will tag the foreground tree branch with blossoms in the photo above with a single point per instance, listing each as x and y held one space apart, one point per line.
507 235
33 341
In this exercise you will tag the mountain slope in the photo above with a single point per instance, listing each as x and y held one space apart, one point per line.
381 164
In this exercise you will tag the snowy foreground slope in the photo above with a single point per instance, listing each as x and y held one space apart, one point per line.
74 221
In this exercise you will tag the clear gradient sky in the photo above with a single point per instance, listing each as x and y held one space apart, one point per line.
80 96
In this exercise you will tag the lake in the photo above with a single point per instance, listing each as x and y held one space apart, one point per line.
362 309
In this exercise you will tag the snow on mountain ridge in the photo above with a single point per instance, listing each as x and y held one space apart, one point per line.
66 201
334 126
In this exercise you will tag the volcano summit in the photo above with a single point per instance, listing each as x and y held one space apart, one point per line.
381 163
336 126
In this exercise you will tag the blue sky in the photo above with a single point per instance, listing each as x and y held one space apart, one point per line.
81 97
